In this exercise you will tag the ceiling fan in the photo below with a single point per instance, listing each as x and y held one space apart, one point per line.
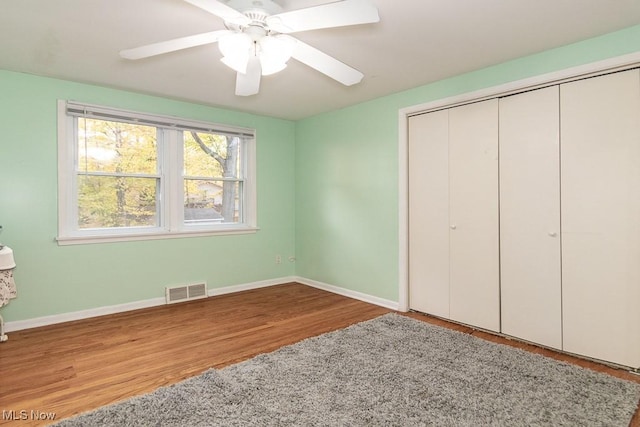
256 42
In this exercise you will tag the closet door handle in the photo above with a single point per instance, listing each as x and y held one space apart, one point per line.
453 226
552 234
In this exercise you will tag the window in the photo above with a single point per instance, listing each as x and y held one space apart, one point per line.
127 176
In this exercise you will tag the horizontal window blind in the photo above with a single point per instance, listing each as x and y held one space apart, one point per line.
103 113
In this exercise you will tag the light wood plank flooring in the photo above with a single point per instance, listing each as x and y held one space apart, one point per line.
78 366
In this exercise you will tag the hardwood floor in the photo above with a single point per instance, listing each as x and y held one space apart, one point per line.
78 366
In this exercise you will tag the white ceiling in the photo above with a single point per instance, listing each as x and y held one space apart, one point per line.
416 42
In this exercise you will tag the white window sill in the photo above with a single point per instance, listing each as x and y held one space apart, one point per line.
110 238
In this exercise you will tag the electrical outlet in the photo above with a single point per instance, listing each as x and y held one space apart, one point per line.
278 259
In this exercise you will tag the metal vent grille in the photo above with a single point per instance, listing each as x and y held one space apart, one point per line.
184 293
199 290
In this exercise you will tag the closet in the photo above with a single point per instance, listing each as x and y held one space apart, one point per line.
524 215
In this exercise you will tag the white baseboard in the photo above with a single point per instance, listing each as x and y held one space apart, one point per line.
18 325
393 305
249 286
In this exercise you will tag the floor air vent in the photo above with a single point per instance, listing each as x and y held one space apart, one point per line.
185 293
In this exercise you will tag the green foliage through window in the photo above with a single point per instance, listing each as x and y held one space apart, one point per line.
126 175
113 159
212 181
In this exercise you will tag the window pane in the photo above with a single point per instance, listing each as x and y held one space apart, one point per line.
207 154
107 201
105 146
211 201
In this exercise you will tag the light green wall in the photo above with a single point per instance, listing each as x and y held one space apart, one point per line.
54 279
347 170
327 192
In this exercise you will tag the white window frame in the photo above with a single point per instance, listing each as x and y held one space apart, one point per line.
170 159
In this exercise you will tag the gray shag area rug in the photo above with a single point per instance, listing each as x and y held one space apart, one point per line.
389 371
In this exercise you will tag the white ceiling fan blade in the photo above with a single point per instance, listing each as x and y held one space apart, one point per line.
173 45
248 84
221 10
338 14
326 64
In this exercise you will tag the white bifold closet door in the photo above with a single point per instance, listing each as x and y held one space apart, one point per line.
453 214
530 216
600 151
429 213
474 288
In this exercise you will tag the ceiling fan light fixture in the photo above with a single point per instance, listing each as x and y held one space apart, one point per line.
280 48
236 62
270 67
274 52
236 44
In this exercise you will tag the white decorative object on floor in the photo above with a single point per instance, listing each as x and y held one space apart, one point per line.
7 284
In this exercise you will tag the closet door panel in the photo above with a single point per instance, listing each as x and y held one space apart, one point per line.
429 213
530 216
473 202
601 217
